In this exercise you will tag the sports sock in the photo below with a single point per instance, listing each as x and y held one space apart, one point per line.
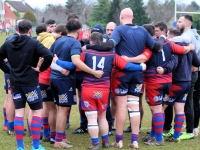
95 141
134 137
45 124
64 135
5 117
36 125
53 135
10 126
158 122
59 136
119 137
105 138
19 131
178 124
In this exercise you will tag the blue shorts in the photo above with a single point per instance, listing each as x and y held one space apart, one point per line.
31 95
178 92
6 81
126 83
46 93
63 91
156 93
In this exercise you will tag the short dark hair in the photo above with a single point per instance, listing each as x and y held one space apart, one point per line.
72 16
24 26
150 28
50 22
96 37
41 28
188 17
73 25
61 28
162 25
174 31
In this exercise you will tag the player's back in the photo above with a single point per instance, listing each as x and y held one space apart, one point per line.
158 59
131 40
185 62
98 61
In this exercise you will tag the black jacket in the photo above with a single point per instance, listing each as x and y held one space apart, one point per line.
23 53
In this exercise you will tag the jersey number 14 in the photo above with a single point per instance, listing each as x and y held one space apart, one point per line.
100 63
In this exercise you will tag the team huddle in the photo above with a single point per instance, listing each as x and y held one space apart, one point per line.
111 73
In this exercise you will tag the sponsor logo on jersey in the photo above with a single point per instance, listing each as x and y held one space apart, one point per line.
121 91
97 94
63 98
158 98
138 88
44 93
31 96
17 96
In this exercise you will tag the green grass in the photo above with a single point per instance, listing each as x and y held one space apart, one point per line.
83 141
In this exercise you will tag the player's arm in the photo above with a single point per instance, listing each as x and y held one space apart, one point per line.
155 46
3 65
45 54
170 65
75 57
109 45
64 64
195 59
124 65
79 64
144 57
183 38
177 49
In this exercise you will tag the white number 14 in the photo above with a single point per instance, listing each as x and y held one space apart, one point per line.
100 64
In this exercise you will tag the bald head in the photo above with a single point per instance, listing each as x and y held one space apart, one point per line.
126 16
109 28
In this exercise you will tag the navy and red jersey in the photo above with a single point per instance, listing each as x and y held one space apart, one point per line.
101 61
161 58
130 40
183 70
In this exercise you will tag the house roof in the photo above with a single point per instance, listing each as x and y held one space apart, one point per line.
20 6
8 12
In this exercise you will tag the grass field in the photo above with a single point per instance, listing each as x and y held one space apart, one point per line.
83 141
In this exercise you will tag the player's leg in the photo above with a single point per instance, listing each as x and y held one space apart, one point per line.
154 97
10 113
113 110
196 100
67 96
19 103
34 99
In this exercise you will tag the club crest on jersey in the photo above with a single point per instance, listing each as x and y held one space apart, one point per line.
86 104
63 98
138 88
158 98
185 97
31 96
97 94
121 91
104 106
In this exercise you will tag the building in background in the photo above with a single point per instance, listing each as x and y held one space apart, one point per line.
19 6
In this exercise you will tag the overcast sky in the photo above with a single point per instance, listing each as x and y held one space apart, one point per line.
42 3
